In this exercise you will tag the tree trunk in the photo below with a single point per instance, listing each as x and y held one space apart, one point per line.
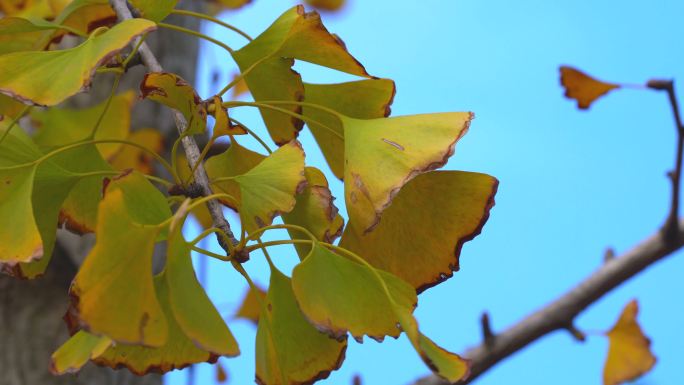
31 325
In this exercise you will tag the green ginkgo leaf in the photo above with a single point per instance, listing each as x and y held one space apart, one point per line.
155 10
268 58
77 351
60 126
382 155
422 246
339 295
289 350
25 34
10 108
192 309
38 77
113 293
174 92
314 211
363 99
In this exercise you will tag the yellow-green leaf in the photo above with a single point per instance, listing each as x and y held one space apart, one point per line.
327 5
363 99
113 293
77 351
174 92
223 125
422 246
135 158
289 350
38 77
24 34
155 10
268 58
250 308
381 155
60 126
87 15
339 295
629 352
582 87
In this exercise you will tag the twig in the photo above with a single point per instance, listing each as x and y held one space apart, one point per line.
487 334
192 151
561 312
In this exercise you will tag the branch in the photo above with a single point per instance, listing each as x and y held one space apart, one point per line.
192 151
560 313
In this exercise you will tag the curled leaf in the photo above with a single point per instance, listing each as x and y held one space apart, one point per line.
582 87
174 92
629 353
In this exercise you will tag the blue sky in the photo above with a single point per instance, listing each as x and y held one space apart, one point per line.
571 182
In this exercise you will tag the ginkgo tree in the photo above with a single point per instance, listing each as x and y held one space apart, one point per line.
84 170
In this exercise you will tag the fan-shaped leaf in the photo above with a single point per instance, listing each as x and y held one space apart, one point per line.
24 34
135 158
250 309
582 87
77 351
422 246
174 92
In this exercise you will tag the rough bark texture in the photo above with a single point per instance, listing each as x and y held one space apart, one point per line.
31 325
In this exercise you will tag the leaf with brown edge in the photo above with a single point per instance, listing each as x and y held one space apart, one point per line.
629 353
129 157
77 351
190 306
422 246
57 127
223 125
174 92
155 10
177 352
289 350
250 308
382 155
582 87
38 77
87 15
363 99
294 35
339 295
113 293
314 211
327 5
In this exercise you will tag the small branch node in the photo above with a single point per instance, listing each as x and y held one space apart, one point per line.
576 333
487 333
608 254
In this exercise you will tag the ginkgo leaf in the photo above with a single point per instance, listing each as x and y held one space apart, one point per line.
60 126
381 155
422 246
155 10
339 295
289 350
113 293
87 15
250 307
240 88
314 211
629 353
23 34
77 351
230 4
328 5
10 108
192 309
135 158
174 92
46 9
363 99
582 87
27 270
268 58
177 352
223 125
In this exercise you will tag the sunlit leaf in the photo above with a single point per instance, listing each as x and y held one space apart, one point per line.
60 126
250 307
381 155
294 35
223 125
113 293
582 87
135 158
289 350
364 99
314 211
420 236
328 5
339 295
38 77
155 10
629 353
174 92
77 351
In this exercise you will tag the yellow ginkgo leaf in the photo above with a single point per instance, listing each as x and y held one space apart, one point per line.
218 5
136 158
174 92
155 10
382 155
289 349
582 87
364 99
240 88
223 125
77 351
87 15
250 308
327 5
629 354
422 246
23 34
45 9
38 77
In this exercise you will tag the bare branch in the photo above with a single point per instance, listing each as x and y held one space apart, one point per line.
192 151
561 312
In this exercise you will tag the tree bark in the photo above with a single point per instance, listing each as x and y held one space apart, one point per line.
31 325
